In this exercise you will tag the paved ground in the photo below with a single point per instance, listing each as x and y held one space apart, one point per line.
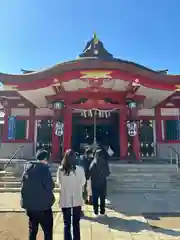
129 216
133 203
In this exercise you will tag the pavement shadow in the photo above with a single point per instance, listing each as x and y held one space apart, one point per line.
134 204
130 225
113 201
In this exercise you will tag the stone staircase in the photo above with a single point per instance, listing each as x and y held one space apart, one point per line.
143 177
10 180
123 178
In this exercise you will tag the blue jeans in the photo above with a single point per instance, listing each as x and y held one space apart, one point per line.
76 215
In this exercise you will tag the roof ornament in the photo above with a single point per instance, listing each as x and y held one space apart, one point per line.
95 39
24 71
163 71
95 48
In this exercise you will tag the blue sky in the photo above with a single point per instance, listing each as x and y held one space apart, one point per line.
39 33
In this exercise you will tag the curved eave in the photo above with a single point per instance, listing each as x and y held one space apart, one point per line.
88 64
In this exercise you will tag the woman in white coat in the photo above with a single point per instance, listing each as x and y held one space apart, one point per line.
71 179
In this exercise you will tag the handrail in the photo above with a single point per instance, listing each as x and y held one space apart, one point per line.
174 151
7 164
177 157
10 160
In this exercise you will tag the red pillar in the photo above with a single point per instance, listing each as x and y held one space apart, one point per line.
135 139
136 143
123 135
5 129
55 138
158 124
67 127
31 130
31 124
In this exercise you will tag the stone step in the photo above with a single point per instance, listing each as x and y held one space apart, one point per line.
145 185
136 174
145 170
16 177
176 177
141 173
115 190
12 184
151 186
175 184
140 176
142 190
18 189
131 166
139 187
122 176
141 165
111 181
137 167
10 179
3 173
129 181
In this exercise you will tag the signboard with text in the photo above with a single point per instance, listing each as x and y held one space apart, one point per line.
11 128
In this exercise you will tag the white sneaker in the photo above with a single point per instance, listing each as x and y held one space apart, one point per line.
103 215
95 215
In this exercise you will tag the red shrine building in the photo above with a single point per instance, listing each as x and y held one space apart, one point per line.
95 98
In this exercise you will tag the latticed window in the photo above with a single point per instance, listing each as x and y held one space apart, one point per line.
20 129
17 129
172 130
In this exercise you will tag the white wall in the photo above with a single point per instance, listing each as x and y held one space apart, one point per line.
20 112
146 112
8 149
170 112
44 112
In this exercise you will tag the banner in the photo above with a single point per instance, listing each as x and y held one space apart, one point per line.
59 129
132 129
1 86
11 128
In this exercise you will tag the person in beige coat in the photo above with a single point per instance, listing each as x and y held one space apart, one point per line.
71 180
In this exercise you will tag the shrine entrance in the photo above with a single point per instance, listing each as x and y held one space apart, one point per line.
146 135
96 122
104 131
44 134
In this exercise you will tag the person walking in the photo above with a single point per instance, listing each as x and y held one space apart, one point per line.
71 180
99 171
37 195
85 163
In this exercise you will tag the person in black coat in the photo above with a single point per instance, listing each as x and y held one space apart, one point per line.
99 171
37 195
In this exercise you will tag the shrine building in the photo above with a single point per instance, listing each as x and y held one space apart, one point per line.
96 98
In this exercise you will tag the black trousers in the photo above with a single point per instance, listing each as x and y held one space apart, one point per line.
99 192
76 215
45 219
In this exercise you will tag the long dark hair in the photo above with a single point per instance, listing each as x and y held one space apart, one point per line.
69 162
